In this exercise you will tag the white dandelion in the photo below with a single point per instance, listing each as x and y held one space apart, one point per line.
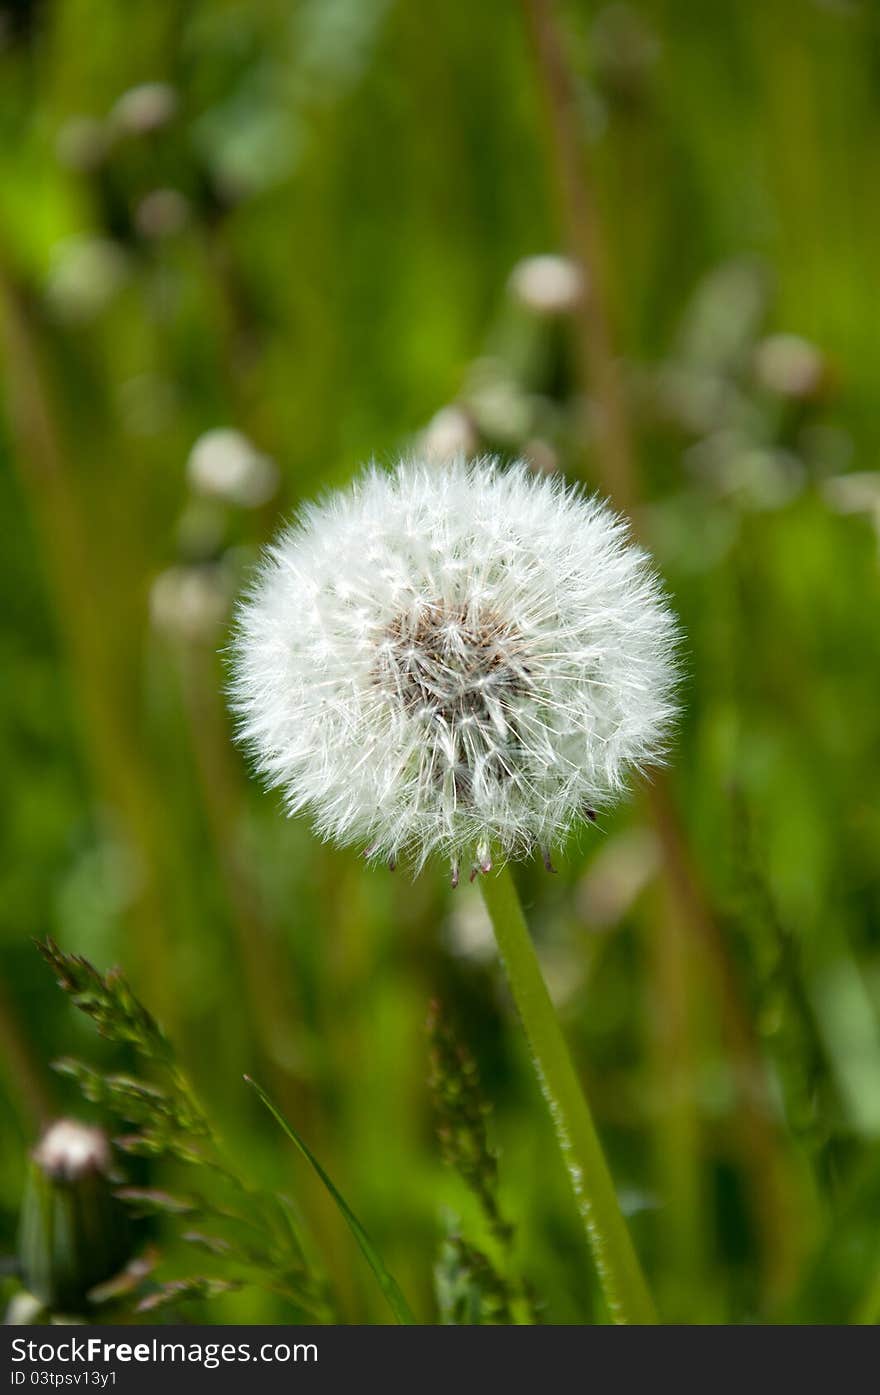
458 659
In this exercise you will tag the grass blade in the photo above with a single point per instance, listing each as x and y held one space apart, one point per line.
388 1284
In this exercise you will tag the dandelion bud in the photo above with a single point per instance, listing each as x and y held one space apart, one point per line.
857 492
500 408
449 433
23 1310
225 465
82 144
548 285
73 1230
540 455
86 274
161 213
144 109
789 366
454 659
190 603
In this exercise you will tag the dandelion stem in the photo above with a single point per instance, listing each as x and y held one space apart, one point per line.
623 1283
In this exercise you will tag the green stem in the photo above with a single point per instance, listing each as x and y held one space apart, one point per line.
620 1274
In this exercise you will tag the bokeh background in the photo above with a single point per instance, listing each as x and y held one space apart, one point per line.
245 247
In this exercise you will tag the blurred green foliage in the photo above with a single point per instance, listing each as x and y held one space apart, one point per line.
299 221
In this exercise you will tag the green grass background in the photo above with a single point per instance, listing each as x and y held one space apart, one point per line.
362 176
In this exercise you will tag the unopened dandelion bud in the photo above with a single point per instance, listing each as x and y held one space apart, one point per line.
23 1310
190 603
161 213
789 366
73 1230
857 492
548 285
82 144
85 276
224 464
144 109
454 659
450 432
500 408
541 456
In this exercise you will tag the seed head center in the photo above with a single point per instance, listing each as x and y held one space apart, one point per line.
456 664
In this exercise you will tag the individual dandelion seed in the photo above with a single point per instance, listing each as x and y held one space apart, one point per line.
458 659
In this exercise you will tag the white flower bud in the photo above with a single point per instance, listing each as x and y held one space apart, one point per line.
857 492
86 274
143 109
225 465
73 1230
548 285
189 603
69 1150
449 433
790 366
81 143
541 455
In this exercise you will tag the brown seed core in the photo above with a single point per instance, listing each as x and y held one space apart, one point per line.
454 663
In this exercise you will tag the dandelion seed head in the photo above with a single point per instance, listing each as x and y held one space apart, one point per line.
789 366
224 464
144 109
548 284
454 658
85 275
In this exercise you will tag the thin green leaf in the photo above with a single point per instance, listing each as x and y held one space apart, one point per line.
388 1284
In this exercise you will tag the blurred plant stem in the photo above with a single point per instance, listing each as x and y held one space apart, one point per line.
673 1049
598 363
27 1079
762 1144
777 1183
268 989
867 1312
238 335
617 1264
106 709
